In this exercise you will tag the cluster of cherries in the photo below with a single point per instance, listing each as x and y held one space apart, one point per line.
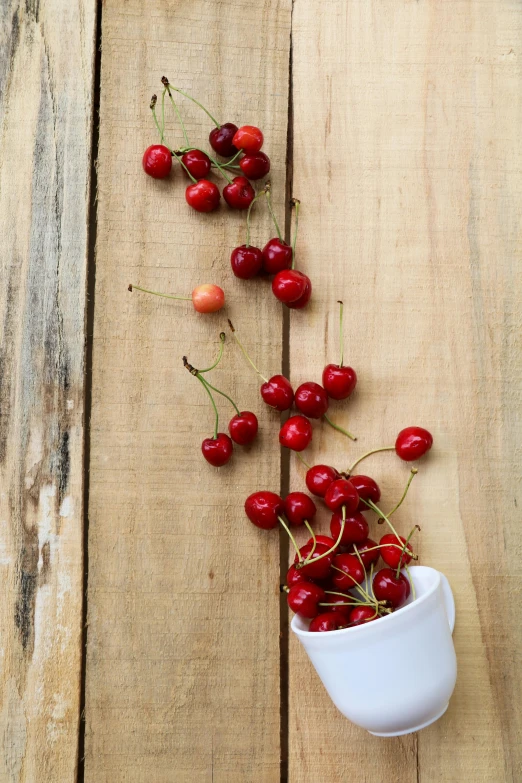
332 581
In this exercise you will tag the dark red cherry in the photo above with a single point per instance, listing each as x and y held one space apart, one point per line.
304 299
367 489
299 507
339 382
304 599
296 433
248 138
278 393
288 285
412 443
388 587
341 493
239 194
311 399
367 557
360 615
255 165
203 196
391 554
328 621
221 139
355 528
353 571
294 576
197 163
277 255
243 427
157 161
318 567
263 509
246 261
319 478
218 450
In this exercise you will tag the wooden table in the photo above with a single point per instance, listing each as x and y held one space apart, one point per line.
143 637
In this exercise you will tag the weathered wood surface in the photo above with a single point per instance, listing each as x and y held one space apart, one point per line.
46 80
414 177
183 609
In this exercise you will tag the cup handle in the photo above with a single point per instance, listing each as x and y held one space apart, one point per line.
449 601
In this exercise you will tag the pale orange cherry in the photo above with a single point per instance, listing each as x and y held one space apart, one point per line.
206 298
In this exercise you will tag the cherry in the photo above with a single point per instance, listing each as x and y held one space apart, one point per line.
255 165
294 576
341 493
341 606
157 161
387 586
263 509
296 433
367 557
278 393
328 621
367 489
248 138
360 615
299 507
220 139
304 599
318 567
208 298
355 528
319 478
412 443
203 196
277 255
339 382
243 427
289 285
239 194
217 450
304 299
391 554
353 571
197 163
246 261
311 399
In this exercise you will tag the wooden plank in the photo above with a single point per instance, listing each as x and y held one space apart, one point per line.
414 111
183 639
46 99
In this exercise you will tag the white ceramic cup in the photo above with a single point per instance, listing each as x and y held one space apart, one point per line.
394 675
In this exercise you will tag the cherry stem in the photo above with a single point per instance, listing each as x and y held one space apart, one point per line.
243 350
292 539
339 429
302 460
231 401
133 287
341 336
163 116
310 530
261 193
412 584
153 109
216 426
385 546
359 587
222 338
413 473
270 209
375 508
368 453
344 595
215 163
176 109
404 547
295 203
178 158
186 95
332 548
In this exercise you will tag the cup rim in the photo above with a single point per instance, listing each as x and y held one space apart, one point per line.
365 627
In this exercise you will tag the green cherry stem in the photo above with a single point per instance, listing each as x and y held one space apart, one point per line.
270 209
222 338
176 109
332 548
296 204
166 82
368 453
175 155
413 473
404 547
216 425
341 335
231 401
163 115
292 539
358 587
153 102
311 531
261 193
412 585
133 287
339 429
305 463
375 508
243 351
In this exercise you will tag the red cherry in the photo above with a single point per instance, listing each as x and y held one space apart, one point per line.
319 478
367 557
157 161
294 576
339 382
278 393
388 587
246 261
288 285
248 138
367 489
355 528
304 599
299 507
263 509
304 299
203 196
317 568
255 165
296 433
197 163
220 139
341 493
311 399
362 614
390 554
328 621
243 428
218 450
412 443
239 194
208 298
353 571
277 255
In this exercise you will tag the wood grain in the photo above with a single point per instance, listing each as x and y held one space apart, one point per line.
46 99
411 212
183 637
